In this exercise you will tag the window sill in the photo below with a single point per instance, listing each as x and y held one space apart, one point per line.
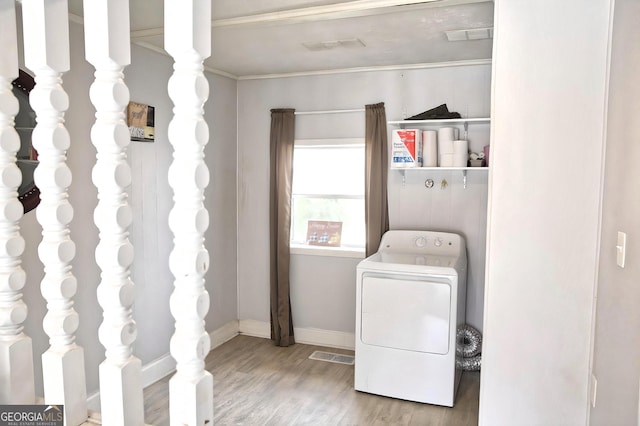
356 253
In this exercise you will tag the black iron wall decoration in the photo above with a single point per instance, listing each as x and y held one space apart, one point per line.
27 157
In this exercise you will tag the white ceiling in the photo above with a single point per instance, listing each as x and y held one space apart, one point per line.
265 37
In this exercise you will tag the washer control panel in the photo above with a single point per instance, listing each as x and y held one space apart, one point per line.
423 242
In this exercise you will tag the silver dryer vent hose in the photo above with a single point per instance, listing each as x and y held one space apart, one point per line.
468 348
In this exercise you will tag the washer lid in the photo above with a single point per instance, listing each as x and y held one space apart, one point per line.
413 263
418 259
406 314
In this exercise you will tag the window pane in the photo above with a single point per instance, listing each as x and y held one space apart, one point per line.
328 185
348 211
331 170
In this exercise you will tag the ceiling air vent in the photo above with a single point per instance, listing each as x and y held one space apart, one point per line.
470 34
349 43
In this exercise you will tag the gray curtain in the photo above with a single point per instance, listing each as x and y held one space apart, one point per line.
376 168
282 138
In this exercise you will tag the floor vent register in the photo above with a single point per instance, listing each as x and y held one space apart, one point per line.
332 357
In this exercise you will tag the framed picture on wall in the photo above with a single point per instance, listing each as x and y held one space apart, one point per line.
141 122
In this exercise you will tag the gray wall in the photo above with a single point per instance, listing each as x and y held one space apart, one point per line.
617 340
549 98
323 288
151 199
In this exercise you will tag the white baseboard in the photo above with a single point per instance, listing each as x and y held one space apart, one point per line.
93 402
165 365
329 338
157 369
224 333
308 336
255 328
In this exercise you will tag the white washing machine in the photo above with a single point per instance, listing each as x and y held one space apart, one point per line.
410 300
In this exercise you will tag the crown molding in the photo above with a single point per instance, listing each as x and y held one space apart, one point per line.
401 67
163 52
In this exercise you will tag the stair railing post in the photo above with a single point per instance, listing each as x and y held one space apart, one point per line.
16 354
188 41
107 48
46 50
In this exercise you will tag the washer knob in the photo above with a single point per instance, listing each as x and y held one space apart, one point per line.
437 242
421 242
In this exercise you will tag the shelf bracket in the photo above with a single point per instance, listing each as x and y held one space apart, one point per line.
464 178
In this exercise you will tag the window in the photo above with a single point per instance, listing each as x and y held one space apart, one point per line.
328 185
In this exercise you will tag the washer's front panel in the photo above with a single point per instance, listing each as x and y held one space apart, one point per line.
407 314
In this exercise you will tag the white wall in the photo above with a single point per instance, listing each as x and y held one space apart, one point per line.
550 65
453 209
151 199
323 288
617 344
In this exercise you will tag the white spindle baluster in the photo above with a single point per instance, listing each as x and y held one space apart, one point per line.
46 39
16 356
188 41
107 47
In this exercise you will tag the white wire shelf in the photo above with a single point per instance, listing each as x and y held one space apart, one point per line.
441 121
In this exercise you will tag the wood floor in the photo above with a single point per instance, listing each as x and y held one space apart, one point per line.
251 387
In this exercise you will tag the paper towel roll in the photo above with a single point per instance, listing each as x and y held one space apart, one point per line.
460 159
429 148
447 134
446 160
445 147
461 147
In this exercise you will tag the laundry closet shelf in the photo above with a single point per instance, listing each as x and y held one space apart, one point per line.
441 121
403 169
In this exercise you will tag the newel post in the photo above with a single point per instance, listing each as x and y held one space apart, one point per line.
188 41
46 47
107 48
16 356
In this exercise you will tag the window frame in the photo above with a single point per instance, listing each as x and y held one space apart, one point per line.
342 251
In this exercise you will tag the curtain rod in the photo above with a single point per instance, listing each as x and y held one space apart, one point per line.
332 111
